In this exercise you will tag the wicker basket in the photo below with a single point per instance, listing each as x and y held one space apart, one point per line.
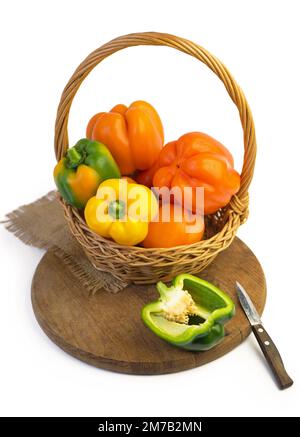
136 264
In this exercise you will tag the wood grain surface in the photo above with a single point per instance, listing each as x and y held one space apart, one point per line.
106 329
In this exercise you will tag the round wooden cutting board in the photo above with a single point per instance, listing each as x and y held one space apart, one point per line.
106 329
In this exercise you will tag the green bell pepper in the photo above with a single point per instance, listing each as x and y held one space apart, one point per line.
189 314
85 166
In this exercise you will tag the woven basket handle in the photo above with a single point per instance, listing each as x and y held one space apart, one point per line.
161 39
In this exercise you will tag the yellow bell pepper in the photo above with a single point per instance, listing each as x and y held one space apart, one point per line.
121 210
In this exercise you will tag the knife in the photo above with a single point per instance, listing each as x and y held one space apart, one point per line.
264 340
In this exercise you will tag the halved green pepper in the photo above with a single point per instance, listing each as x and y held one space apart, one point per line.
85 166
189 314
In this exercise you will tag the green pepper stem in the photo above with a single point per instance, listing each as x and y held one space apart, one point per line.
117 209
162 289
73 157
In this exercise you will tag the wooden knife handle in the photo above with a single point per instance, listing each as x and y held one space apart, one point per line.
272 356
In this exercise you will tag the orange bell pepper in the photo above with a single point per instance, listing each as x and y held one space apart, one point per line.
182 228
196 160
146 177
134 135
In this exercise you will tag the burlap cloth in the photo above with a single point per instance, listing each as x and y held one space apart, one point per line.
42 224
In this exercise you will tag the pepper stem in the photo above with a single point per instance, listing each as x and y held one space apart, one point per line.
74 157
162 289
117 209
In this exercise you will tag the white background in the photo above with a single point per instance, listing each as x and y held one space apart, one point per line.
41 44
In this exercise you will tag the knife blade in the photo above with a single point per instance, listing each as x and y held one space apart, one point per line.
247 305
265 342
